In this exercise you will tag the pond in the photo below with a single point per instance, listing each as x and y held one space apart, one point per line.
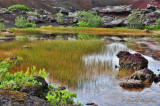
88 67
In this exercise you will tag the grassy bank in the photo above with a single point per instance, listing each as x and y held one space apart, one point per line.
82 30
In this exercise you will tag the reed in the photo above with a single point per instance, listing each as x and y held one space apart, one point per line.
84 30
62 59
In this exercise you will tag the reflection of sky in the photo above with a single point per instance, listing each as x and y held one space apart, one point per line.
105 91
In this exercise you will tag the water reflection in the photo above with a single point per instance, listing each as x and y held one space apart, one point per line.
103 88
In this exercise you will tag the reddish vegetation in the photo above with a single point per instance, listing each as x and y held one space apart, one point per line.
141 4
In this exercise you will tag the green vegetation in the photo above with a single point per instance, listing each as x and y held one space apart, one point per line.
59 18
135 21
88 19
2 26
21 22
89 37
60 97
20 7
158 23
151 27
19 79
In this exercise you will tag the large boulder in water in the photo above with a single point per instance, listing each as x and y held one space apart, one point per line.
139 79
132 61
131 83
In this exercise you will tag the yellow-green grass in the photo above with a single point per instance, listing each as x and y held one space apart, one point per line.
83 30
62 59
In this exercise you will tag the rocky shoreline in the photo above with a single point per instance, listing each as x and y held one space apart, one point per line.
142 77
112 16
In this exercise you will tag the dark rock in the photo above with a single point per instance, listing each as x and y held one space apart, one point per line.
40 91
132 61
26 47
9 97
131 83
43 0
151 7
110 22
23 12
62 88
64 11
157 79
90 104
43 81
7 12
32 18
113 9
144 75
16 10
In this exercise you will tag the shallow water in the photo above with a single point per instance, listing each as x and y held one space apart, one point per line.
104 89
99 84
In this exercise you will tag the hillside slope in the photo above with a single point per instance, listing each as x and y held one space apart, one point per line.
49 4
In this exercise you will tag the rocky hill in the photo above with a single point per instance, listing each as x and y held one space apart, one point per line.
50 5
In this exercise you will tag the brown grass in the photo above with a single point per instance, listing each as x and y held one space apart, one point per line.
94 31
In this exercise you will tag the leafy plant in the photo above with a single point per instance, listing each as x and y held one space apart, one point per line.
134 20
60 97
88 19
2 26
59 18
19 79
21 22
20 7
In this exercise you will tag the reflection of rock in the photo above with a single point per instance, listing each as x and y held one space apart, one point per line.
132 61
157 78
26 47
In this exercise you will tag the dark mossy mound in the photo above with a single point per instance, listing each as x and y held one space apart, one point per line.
9 97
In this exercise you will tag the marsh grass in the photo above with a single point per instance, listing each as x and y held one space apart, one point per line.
62 59
124 73
83 30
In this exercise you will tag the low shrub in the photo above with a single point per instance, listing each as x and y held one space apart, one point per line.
19 79
59 18
2 26
134 20
21 22
60 97
20 7
88 19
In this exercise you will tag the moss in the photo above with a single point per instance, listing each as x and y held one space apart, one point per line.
12 94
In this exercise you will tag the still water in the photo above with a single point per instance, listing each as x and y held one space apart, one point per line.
98 82
104 90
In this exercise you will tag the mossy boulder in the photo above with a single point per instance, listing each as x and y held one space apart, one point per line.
132 61
9 97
